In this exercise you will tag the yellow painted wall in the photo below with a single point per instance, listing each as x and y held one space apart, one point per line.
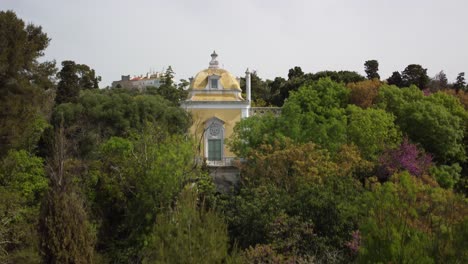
215 97
200 116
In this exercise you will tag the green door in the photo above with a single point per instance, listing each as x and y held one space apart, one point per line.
214 149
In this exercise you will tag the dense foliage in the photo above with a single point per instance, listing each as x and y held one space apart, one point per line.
351 170
360 173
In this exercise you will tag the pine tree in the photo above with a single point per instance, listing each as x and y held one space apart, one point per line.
460 83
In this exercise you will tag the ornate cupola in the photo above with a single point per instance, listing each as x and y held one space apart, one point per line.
215 84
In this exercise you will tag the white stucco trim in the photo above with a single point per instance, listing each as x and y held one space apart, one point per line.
215 105
245 112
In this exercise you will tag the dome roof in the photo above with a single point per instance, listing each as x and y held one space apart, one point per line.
228 81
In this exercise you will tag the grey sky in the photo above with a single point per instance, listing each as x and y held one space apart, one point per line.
129 37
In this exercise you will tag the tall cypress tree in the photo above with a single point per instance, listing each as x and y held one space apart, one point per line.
64 228
460 83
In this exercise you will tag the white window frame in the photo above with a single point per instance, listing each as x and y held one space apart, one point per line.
211 126
210 80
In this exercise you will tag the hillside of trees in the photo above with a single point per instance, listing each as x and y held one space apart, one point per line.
355 169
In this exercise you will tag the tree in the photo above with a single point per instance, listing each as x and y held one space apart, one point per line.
337 76
415 74
439 82
436 121
20 47
460 82
295 72
316 112
169 90
275 87
294 199
407 157
372 131
68 88
72 79
138 179
24 101
188 233
371 69
87 76
65 231
447 176
395 79
183 84
168 78
364 94
22 186
100 114
407 221
296 78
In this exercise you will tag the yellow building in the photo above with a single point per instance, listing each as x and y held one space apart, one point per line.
216 104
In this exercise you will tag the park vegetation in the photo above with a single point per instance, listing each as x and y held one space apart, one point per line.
354 170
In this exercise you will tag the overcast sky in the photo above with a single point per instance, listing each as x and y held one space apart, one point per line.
118 37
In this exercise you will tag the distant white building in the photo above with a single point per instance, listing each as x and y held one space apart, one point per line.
139 82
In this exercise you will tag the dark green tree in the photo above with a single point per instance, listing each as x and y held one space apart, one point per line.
275 87
24 101
100 114
68 88
87 76
155 166
72 79
65 231
295 72
168 78
183 84
395 79
337 76
20 47
168 89
415 74
371 69
460 83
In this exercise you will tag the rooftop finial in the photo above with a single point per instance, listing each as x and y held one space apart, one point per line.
214 64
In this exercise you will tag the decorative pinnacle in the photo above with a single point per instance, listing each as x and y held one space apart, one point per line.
214 64
247 71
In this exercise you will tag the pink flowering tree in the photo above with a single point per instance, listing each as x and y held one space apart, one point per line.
355 243
406 157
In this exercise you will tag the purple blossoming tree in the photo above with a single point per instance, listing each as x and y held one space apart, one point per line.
406 157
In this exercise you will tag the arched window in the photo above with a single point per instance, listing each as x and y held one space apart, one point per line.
214 139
